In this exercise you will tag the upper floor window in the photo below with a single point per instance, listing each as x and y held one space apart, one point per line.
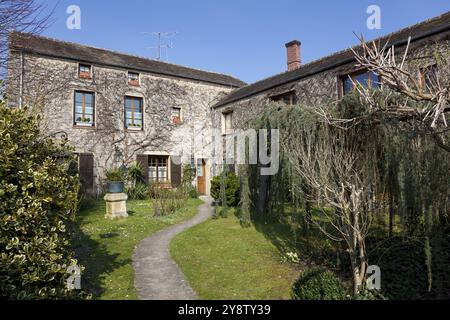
84 109
133 78
227 122
133 113
428 77
84 70
288 98
364 78
176 115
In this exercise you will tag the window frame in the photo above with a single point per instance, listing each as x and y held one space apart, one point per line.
423 74
352 74
133 128
159 159
134 82
177 119
84 75
292 94
83 123
225 114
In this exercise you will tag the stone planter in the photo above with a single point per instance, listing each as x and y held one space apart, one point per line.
114 187
116 205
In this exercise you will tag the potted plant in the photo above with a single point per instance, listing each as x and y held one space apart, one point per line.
115 181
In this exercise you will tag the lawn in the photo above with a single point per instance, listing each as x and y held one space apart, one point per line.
105 247
222 260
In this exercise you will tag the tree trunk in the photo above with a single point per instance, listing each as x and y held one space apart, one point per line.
391 214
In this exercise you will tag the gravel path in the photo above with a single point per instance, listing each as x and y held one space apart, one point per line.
157 276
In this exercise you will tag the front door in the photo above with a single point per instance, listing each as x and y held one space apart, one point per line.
201 181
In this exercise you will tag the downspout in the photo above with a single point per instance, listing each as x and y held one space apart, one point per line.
22 64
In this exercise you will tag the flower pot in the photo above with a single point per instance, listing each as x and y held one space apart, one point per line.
114 187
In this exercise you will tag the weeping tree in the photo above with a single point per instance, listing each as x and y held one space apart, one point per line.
333 170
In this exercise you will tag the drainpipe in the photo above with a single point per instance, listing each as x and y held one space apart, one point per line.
22 64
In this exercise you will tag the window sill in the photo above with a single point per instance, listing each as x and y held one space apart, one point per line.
84 126
137 129
177 120
85 76
133 83
228 133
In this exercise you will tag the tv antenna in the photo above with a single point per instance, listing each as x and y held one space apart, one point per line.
160 46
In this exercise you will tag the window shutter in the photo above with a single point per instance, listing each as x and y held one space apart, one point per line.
143 161
175 171
86 168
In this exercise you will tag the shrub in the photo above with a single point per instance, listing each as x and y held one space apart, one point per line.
137 192
318 284
135 173
165 201
38 201
232 188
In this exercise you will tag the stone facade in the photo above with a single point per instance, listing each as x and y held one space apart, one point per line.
48 85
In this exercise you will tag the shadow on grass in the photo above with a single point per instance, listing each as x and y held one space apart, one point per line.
95 259
290 234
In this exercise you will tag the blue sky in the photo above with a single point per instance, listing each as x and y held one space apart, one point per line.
244 38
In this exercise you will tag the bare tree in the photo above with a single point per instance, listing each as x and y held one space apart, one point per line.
20 15
415 86
331 167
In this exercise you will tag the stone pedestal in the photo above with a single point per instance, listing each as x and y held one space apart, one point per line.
116 205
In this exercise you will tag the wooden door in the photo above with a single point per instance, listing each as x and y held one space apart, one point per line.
201 181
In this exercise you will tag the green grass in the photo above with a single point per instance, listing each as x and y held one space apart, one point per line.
222 260
105 247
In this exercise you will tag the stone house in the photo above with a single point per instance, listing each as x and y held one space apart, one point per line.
116 108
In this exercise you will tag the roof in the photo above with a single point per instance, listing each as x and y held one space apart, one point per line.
421 30
72 51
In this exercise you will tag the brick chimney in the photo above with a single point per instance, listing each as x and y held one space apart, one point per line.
293 55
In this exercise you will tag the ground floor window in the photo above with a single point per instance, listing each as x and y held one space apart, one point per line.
158 170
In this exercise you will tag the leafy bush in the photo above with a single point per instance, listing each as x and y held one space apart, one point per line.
318 284
115 175
232 188
38 201
137 192
135 173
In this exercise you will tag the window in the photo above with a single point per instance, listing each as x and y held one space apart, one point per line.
158 169
133 78
84 109
364 78
288 98
428 77
133 113
84 71
227 122
176 115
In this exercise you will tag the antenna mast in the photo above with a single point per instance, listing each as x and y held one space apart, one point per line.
159 35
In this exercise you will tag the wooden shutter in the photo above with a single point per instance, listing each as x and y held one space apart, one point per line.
175 171
86 168
142 159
